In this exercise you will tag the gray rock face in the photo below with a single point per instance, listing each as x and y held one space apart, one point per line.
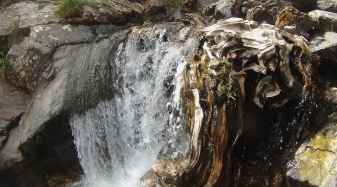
228 8
66 77
10 153
108 12
27 57
325 45
328 5
13 103
316 160
26 14
328 20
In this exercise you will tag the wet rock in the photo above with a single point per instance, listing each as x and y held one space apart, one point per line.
56 157
13 103
10 154
304 5
301 22
63 85
26 58
330 94
26 14
154 6
315 161
325 45
328 20
327 5
228 8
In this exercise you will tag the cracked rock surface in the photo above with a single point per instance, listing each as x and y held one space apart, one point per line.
316 160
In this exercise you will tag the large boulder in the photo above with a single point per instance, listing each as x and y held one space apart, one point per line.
328 20
27 57
64 78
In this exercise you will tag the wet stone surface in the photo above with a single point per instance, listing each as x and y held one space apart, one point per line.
316 160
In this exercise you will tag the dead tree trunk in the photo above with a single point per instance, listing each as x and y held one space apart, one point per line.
215 91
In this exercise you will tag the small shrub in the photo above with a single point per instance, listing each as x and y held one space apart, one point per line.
40 6
69 8
202 10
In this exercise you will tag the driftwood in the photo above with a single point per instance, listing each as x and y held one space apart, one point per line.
216 87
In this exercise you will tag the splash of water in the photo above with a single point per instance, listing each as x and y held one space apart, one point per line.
120 139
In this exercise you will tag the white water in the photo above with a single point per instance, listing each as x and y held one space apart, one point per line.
120 139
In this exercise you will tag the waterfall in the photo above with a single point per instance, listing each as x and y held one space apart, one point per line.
119 139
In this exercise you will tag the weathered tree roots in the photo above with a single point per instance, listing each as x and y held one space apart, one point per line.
216 88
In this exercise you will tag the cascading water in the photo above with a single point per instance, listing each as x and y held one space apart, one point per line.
120 139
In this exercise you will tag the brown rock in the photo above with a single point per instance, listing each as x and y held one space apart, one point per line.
154 6
290 16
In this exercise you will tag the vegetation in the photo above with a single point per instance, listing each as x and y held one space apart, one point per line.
202 10
7 41
230 90
69 8
2 62
15 37
41 5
